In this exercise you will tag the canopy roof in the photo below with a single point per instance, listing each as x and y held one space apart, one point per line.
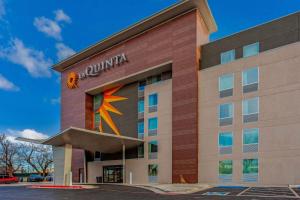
92 140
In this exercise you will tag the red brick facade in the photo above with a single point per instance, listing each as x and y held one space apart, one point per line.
177 41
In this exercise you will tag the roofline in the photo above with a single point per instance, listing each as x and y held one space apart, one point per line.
254 26
140 27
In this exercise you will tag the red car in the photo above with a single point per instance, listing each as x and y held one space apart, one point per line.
5 179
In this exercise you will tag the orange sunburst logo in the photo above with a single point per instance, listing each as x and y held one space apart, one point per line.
72 80
106 107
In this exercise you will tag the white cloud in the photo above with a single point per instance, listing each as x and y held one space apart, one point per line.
7 85
55 101
61 16
32 60
48 26
2 9
63 51
26 133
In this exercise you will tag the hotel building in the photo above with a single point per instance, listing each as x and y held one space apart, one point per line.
159 103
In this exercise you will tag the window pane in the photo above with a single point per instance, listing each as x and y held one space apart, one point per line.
141 127
225 111
251 136
141 106
153 100
225 139
250 76
227 56
225 167
142 86
153 147
152 123
250 166
97 101
152 170
251 50
141 151
96 120
250 106
226 82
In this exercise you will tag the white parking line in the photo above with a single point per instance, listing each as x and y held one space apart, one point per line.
243 191
295 193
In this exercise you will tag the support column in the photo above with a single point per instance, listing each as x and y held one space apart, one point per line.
62 165
124 164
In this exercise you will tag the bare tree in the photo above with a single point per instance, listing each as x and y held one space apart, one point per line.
9 155
39 157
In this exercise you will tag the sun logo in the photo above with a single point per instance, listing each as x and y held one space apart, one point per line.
72 80
106 107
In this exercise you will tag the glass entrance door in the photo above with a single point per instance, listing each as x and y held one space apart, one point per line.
113 174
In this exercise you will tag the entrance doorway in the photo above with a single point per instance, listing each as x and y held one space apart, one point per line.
113 174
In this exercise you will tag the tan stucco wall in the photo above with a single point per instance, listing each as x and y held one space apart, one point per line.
139 167
279 117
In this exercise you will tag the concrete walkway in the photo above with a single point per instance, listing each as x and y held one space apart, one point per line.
174 188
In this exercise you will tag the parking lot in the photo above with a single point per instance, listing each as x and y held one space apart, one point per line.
114 192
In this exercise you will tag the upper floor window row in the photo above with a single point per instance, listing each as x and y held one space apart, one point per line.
248 50
250 82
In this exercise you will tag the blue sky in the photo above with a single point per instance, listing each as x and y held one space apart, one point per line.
35 34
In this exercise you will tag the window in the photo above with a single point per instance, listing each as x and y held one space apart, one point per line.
225 167
97 156
227 56
96 106
251 50
141 151
152 173
250 140
152 149
141 130
154 79
250 170
142 85
226 83
251 136
250 79
250 110
153 102
225 170
141 104
152 126
225 142
225 114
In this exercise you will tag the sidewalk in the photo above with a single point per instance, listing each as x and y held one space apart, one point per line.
174 188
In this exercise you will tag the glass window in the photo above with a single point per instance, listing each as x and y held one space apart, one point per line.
141 106
251 106
226 111
250 76
141 130
226 82
227 56
141 151
225 167
97 101
251 50
225 139
96 120
250 136
153 100
153 146
152 170
250 166
142 86
152 123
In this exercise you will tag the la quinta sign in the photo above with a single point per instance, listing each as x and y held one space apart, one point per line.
95 69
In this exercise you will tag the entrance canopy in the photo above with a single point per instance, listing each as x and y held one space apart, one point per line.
92 140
